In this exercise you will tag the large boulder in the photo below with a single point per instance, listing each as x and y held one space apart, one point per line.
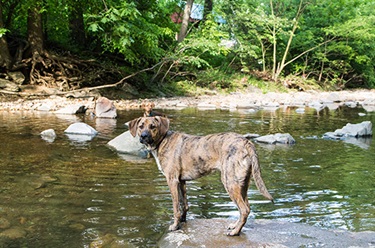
362 129
105 108
126 143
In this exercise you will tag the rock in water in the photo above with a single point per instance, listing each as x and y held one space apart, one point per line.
126 143
105 108
81 128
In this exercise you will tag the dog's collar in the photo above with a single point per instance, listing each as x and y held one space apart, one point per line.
156 146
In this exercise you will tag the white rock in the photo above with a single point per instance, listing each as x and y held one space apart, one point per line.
48 133
81 128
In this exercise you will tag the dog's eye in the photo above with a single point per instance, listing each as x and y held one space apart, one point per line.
141 126
152 126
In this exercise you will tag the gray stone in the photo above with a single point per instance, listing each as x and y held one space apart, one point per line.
44 107
72 109
205 105
48 133
331 135
9 85
355 130
262 233
105 108
81 128
284 138
268 139
334 97
17 77
351 104
300 110
126 143
369 108
276 138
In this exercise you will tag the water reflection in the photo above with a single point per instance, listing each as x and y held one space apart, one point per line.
82 194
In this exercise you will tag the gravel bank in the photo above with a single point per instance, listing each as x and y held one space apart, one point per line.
365 98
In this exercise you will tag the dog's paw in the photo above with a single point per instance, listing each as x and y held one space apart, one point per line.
233 233
173 227
232 226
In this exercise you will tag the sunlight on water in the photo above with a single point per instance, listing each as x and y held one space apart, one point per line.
70 192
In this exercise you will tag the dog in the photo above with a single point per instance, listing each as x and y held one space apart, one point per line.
182 157
148 107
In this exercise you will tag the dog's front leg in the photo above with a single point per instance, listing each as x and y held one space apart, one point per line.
174 185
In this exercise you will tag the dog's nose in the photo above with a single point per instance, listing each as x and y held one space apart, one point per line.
145 138
144 135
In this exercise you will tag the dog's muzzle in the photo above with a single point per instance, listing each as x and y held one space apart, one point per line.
146 138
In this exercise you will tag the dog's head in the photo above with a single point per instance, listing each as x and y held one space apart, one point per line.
150 130
147 106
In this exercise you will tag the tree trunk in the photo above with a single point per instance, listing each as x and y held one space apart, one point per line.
185 20
77 25
274 42
35 31
5 58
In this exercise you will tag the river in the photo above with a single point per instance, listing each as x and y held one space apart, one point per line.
70 193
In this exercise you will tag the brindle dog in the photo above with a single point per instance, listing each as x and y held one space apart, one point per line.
148 107
182 157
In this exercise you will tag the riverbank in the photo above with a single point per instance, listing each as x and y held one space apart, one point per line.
315 99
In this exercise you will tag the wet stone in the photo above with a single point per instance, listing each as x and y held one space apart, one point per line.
262 233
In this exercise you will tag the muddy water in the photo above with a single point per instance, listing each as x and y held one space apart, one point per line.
71 193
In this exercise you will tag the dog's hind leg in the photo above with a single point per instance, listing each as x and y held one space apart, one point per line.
236 193
183 200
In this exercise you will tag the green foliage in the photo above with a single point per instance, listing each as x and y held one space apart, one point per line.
202 48
3 31
137 35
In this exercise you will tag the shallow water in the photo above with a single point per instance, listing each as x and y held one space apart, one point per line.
69 193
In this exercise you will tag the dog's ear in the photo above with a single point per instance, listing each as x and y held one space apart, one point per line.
164 124
133 126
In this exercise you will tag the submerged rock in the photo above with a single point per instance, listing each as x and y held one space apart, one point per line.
281 138
262 233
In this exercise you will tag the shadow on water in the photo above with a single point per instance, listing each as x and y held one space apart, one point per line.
76 193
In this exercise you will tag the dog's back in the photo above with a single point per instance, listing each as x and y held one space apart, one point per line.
195 156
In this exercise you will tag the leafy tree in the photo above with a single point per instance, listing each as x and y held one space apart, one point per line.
140 36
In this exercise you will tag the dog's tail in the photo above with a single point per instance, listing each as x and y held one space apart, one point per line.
257 175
